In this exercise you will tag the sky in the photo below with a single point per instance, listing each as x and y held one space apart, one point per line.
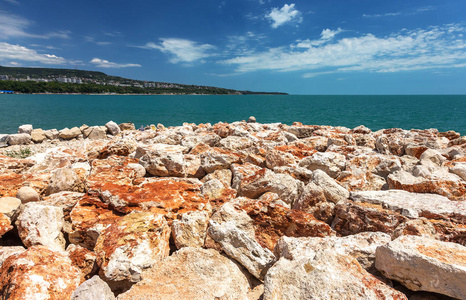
297 46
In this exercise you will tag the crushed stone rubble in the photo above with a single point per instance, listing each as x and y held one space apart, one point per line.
239 210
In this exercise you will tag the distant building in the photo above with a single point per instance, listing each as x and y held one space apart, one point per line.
6 92
3 77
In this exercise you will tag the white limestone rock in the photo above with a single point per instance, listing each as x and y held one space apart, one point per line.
94 288
41 225
244 249
113 128
26 128
19 139
424 264
191 273
68 134
331 163
324 275
190 230
413 205
333 192
6 252
459 169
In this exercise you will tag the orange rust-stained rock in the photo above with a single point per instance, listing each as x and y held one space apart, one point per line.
298 149
83 259
11 182
10 164
88 219
132 244
272 221
38 273
352 218
177 195
5 224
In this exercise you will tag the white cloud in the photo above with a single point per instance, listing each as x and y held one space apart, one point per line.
432 48
102 63
17 52
286 14
401 13
326 36
182 50
15 26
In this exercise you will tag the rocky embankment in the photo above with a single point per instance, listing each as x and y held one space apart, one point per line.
233 211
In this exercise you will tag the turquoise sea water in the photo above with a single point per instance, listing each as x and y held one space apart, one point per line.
376 112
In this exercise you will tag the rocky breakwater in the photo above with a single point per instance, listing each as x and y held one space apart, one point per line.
233 211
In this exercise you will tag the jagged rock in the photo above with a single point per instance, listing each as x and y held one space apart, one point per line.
94 288
6 252
236 142
66 201
277 158
190 229
9 206
95 132
26 128
216 192
459 169
41 225
5 224
448 187
331 163
158 147
301 131
264 180
68 134
113 128
38 273
175 164
127 126
224 175
38 135
423 264
27 194
333 192
353 217
139 170
192 273
19 139
122 147
84 260
67 179
122 261
238 217
361 246
391 143
217 159
272 221
89 218
415 205
324 275
244 249
51 134
210 139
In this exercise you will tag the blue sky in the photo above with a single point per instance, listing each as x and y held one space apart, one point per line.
298 47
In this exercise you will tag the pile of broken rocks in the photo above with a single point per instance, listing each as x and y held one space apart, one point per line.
236 211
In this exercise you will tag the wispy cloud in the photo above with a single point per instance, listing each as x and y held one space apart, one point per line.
286 14
15 26
102 63
431 48
12 2
9 52
244 44
326 36
401 13
182 50
91 39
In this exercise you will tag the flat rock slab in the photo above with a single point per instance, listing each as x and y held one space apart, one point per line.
423 264
191 273
415 205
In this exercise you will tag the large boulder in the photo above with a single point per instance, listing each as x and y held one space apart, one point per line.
94 288
68 134
240 246
190 229
424 264
192 273
41 225
67 179
26 128
38 273
176 164
38 135
331 163
121 261
27 194
324 275
19 139
113 128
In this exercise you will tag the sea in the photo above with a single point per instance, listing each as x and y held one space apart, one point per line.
444 112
